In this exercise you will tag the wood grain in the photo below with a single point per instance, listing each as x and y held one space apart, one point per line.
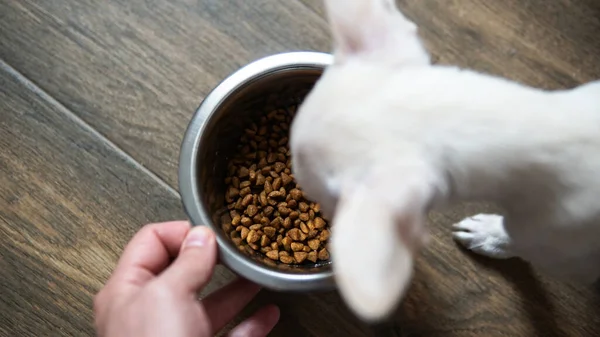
548 44
69 203
135 70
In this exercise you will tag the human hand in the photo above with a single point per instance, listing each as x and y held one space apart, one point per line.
147 295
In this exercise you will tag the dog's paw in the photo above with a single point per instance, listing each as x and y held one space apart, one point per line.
483 234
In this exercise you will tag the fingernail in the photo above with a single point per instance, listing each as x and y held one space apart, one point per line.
198 237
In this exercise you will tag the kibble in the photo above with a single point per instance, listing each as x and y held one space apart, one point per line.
269 213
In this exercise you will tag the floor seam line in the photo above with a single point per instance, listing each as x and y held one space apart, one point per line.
79 121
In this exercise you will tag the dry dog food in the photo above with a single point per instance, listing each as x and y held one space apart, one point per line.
268 211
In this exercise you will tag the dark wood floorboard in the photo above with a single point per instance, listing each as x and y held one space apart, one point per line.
549 44
68 204
135 71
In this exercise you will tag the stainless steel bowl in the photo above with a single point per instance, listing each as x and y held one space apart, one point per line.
210 140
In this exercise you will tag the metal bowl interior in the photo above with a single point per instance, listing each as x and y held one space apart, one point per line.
278 81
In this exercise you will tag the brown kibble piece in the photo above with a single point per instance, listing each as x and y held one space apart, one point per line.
279 166
306 249
303 236
284 211
246 221
237 241
268 187
244 233
296 247
255 227
260 179
245 191
251 210
245 184
286 259
253 236
274 245
262 162
232 193
287 243
275 195
247 200
300 256
312 256
303 207
270 231
286 179
276 223
314 244
296 194
304 228
235 181
294 215
243 172
236 220
273 255
287 223
304 216
319 223
277 183
325 234
267 211
264 241
294 234
317 208
263 198
265 221
323 254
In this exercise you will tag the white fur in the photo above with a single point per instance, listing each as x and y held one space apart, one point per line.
384 136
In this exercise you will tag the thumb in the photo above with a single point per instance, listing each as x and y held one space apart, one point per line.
194 266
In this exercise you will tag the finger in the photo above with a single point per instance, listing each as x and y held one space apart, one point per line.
150 251
259 324
194 266
222 305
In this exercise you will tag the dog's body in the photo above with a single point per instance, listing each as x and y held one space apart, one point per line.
384 136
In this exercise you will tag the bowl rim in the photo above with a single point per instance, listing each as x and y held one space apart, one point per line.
188 175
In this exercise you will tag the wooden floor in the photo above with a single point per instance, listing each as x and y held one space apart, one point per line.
94 100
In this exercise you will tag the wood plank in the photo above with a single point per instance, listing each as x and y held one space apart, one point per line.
549 44
69 204
136 70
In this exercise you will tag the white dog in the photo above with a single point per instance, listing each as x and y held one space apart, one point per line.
385 136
